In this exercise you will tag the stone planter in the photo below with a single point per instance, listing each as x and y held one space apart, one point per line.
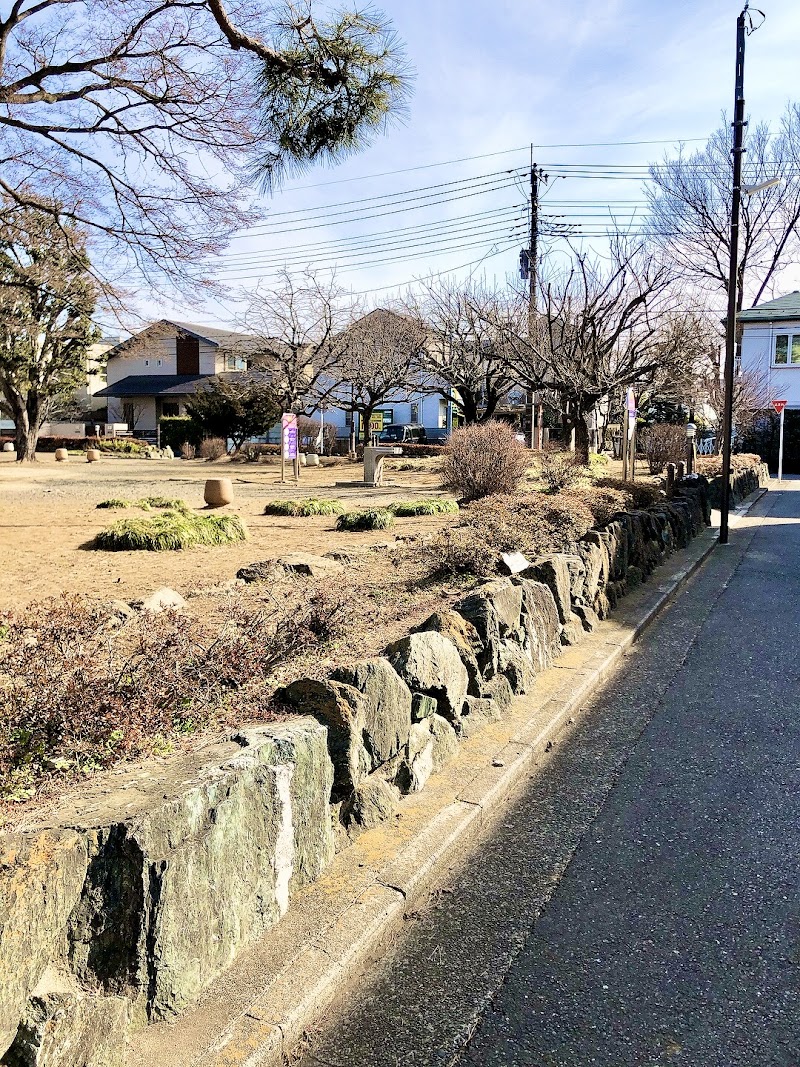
218 492
9 447
92 455
312 459
61 455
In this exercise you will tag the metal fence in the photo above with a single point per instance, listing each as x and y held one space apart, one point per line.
707 447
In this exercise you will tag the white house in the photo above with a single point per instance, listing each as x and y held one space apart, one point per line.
771 347
153 373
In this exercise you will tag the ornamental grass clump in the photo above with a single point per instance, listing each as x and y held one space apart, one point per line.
435 506
171 531
365 519
304 508
115 502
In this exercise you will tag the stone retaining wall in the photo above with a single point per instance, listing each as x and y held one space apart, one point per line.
743 483
124 913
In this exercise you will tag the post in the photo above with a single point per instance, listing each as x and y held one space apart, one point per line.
733 273
780 449
670 479
691 452
632 453
625 446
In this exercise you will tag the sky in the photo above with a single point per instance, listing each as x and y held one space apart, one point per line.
574 78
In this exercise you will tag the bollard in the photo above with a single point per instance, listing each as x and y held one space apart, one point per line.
218 492
691 447
92 455
670 479
61 455
681 469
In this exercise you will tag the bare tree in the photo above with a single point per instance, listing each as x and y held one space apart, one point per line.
380 362
46 302
598 329
298 335
145 121
690 202
465 351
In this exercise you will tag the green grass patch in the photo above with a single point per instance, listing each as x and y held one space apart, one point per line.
171 531
365 519
148 503
304 508
434 506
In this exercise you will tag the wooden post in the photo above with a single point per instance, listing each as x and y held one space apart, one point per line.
670 479
681 470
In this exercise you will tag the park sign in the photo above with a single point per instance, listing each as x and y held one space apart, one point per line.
289 435
779 405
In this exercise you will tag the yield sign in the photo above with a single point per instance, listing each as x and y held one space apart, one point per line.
779 405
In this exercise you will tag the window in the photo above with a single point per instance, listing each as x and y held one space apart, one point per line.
442 414
159 362
414 413
147 363
787 349
170 410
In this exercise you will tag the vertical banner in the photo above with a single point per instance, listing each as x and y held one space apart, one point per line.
288 441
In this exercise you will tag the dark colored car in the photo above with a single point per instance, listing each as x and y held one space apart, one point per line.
436 435
398 434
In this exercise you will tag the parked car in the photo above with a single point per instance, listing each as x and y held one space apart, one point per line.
398 434
436 435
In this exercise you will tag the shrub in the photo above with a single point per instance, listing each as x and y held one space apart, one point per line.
213 448
597 461
459 551
637 495
304 508
435 506
559 470
483 459
423 451
532 523
365 519
177 429
171 531
663 443
711 466
188 451
252 452
163 503
81 689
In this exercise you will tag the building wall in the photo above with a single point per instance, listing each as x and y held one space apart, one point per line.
431 411
158 356
758 347
144 410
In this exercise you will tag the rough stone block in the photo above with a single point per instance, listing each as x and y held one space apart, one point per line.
373 802
553 571
387 709
463 635
429 663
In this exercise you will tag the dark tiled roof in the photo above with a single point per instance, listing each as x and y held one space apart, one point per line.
228 339
155 385
784 308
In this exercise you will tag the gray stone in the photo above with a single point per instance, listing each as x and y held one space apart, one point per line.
553 571
63 1026
261 571
164 599
387 712
540 622
418 766
309 565
429 663
594 554
121 608
588 616
372 803
445 742
572 632
41 878
343 709
498 689
634 577
477 712
494 610
422 707
518 669
463 635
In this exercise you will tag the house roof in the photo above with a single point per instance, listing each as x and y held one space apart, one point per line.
177 384
155 385
212 335
782 309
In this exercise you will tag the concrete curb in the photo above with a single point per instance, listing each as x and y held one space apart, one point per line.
257 1013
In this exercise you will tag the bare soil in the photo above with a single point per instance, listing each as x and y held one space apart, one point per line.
49 517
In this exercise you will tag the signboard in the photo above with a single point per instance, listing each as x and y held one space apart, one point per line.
630 401
779 405
289 436
379 420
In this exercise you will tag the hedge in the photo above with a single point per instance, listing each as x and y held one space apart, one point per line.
177 429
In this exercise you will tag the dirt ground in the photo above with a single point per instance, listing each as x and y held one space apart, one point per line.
48 518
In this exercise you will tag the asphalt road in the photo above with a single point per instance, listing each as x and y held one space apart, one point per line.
640 904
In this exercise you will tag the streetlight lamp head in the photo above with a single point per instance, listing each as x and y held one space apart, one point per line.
769 184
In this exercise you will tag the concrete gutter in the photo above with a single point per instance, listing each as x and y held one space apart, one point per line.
257 1013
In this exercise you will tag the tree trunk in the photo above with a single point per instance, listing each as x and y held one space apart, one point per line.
582 438
27 425
469 406
366 418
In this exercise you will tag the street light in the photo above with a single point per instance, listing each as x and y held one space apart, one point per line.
769 184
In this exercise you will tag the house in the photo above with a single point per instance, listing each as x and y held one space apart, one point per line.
771 357
153 373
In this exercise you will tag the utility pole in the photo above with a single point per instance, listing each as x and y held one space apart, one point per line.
533 278
733 272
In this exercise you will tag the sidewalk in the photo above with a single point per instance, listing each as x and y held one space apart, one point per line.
662 848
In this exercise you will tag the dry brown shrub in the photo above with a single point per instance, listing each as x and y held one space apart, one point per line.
81 686
636 496
559 470
483 459
663 443
711 466
213 448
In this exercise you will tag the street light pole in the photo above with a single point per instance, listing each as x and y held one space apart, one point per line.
733 276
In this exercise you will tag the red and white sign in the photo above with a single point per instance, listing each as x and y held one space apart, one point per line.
779 405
